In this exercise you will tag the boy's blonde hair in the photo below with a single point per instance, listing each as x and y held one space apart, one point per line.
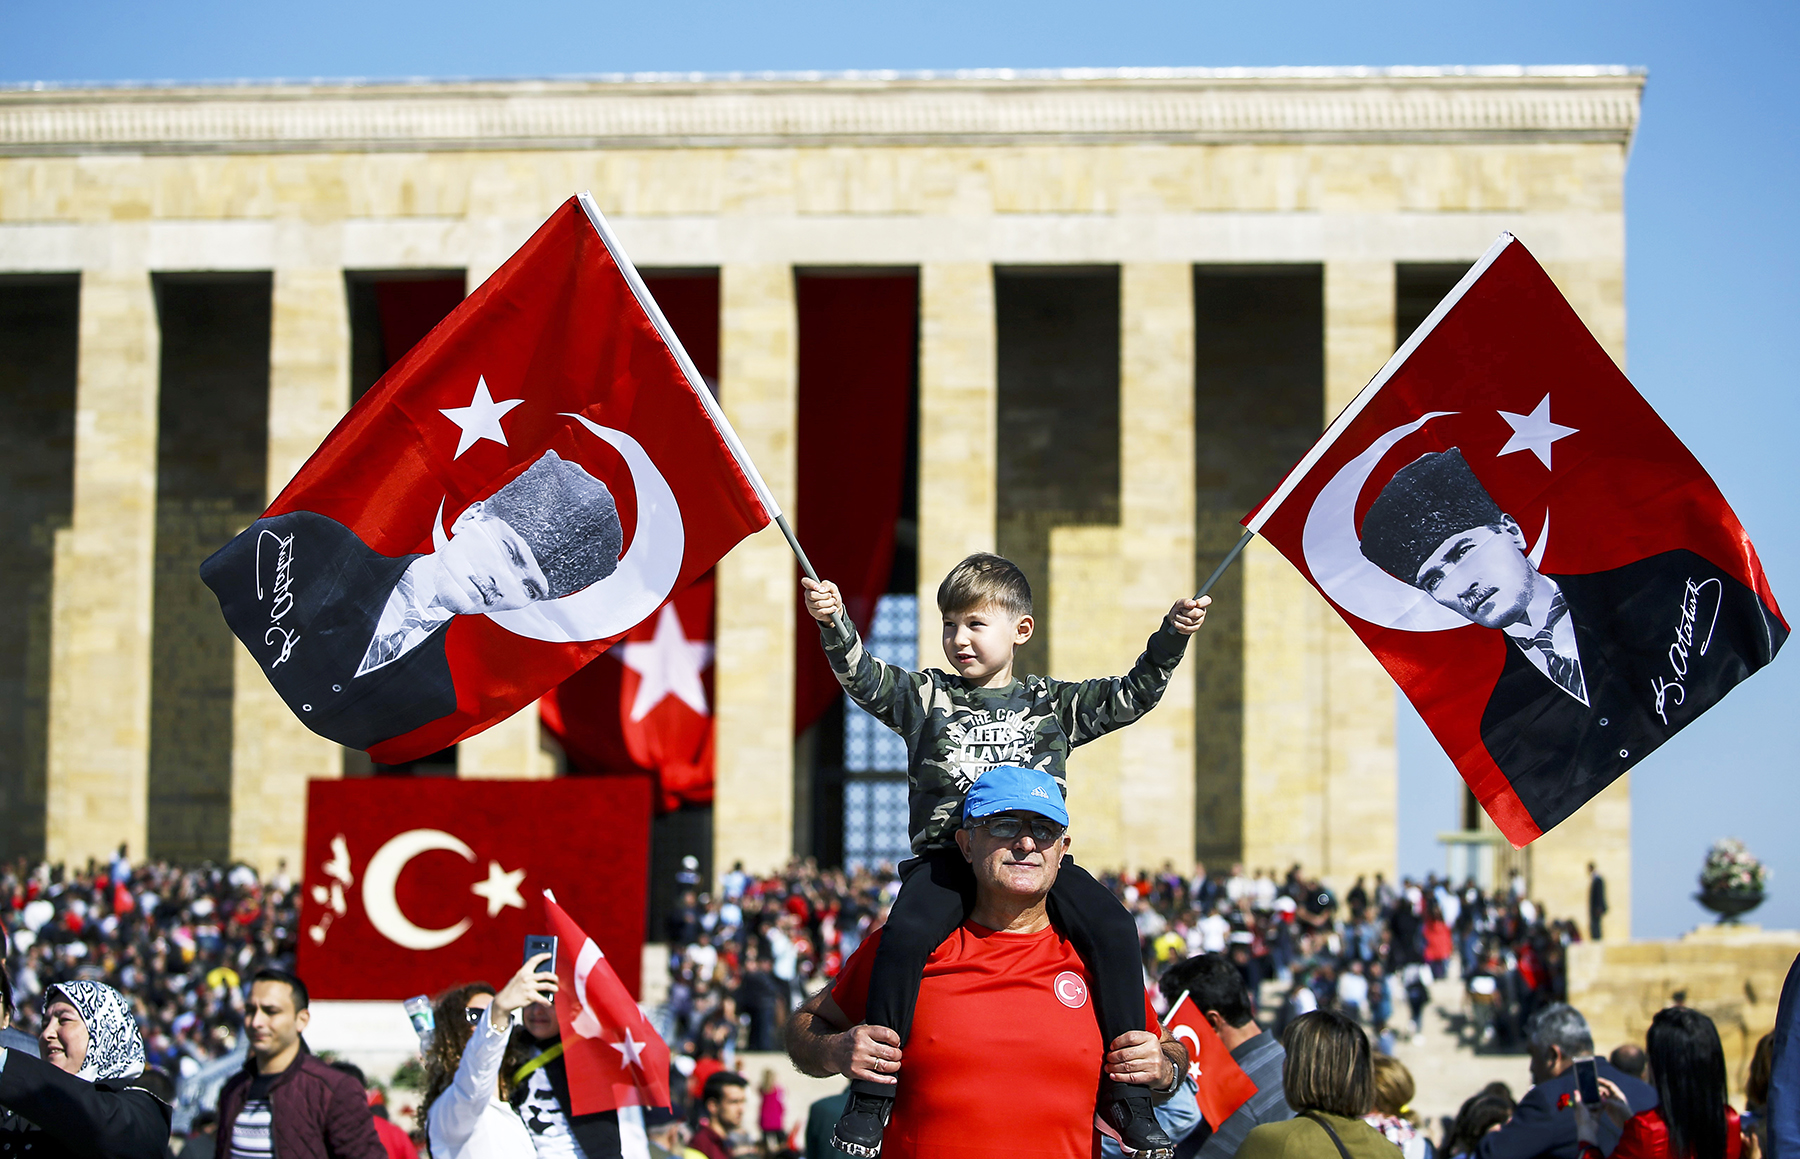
984 578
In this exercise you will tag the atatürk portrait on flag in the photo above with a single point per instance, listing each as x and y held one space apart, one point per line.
1611 663
354 640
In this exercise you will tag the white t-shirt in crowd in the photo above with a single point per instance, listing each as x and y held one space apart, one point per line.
1214 933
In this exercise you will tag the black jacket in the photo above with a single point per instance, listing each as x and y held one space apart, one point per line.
1544 1123
48 1114
1557 752
304 595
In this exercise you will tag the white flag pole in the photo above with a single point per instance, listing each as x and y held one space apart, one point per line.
695 382
1363 398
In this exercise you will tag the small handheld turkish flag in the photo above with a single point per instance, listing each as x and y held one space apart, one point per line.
1223 1085
1548 574
614 1056
533 480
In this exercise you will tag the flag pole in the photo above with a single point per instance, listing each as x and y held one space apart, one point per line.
697 384
1237 549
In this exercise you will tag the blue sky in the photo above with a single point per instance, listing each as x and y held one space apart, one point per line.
1713 248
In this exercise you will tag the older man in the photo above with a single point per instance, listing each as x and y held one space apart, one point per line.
1004 1051
1544 1123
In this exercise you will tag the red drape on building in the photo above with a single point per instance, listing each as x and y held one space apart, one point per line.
409 308
857 340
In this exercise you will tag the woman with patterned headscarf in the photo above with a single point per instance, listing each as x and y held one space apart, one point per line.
81 1098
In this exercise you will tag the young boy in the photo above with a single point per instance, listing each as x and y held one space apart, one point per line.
957 726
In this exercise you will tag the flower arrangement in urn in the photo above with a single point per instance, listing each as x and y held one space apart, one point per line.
1732 880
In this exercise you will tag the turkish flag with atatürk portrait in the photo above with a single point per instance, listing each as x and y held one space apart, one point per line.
528 484
415 884
1551 577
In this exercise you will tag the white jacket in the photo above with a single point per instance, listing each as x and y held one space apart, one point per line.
468 1121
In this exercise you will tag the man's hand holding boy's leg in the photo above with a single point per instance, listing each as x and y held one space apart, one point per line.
822 599
1185 617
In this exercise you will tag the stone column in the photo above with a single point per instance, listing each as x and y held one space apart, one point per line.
753 803
97 790
1156 493
959 388
1133 792
1361 832
510 750
273 755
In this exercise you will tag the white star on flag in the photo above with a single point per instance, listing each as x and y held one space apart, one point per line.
669 664
1534 432
501 889
629 1050
481 418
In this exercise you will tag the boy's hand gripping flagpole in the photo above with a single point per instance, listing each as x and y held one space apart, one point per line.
629 269
1254 522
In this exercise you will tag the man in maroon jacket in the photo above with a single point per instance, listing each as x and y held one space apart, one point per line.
285 1102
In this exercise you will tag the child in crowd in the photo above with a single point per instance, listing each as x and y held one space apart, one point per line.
958 725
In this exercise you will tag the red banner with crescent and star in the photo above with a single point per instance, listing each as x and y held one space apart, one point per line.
1546 571
413 885
530 482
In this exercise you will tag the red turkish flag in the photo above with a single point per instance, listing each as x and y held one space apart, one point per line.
528 484
614 1056
646 703
1548 574
414 884
1223 1085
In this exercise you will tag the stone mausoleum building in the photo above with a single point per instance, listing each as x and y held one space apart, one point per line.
1137 295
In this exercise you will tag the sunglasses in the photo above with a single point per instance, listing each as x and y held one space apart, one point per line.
472 1014
1009 828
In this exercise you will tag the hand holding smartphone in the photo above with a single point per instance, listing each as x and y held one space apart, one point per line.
1587 1081
536 944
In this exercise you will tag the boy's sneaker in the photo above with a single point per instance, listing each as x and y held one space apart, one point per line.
858 1130
1140 1135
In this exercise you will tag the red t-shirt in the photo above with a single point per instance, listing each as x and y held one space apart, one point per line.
1005 1053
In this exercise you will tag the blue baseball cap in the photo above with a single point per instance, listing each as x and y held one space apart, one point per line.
1010 787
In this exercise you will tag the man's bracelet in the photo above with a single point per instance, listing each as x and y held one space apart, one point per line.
1175 1068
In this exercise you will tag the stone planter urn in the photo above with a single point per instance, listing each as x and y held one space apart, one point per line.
1730 906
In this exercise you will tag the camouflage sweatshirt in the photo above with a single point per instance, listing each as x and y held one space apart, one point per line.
955 733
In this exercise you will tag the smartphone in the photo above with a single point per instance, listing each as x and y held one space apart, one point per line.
536 944
1587 1081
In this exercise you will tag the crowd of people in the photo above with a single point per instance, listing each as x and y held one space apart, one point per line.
182 955
1371 953
179 941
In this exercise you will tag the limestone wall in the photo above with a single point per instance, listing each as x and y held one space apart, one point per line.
1731 974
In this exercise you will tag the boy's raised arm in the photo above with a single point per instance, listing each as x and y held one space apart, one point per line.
1093 708
885 691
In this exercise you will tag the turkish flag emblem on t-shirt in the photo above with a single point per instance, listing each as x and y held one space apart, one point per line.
531 482
1535 558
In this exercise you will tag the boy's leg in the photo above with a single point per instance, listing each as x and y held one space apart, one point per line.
937 890
1105 936
1102 932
